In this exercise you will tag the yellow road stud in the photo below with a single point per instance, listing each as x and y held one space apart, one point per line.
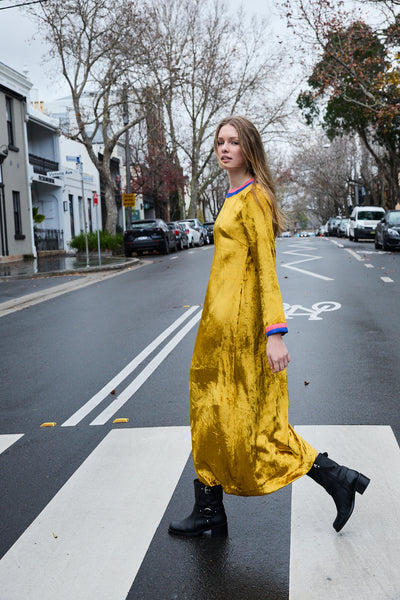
50 424
121 420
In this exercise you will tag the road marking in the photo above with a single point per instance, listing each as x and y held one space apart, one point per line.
297 310
126 371
387 279
354 254
7 440
308 258
368 266
363 560
90 540
133 387
173 258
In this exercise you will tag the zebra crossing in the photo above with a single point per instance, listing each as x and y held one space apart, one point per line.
90 540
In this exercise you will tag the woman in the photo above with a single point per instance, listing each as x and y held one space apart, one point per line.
242 441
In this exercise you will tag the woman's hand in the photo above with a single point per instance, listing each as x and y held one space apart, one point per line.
277 353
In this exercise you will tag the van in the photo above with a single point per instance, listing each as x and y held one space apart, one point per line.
363 221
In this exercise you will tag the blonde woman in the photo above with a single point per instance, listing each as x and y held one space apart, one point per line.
242 441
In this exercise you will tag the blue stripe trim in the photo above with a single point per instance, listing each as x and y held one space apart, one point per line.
239 189
281 330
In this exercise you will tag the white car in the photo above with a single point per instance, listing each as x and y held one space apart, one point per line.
363 222
194 236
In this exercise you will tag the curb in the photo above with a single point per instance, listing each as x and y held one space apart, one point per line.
84 271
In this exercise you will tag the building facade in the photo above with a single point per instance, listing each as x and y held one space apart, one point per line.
16 220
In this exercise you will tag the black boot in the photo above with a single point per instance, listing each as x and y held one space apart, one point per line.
341 483
208 513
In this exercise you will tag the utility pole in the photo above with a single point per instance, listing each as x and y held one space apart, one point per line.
80 163
128 216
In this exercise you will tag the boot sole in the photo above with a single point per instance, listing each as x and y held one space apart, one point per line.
215 530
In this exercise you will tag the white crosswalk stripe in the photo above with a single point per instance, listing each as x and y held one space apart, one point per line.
363 560
90 540
7 440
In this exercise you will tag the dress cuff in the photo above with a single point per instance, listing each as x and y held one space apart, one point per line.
277 328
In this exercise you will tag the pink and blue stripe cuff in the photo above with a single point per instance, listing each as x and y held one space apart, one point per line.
277 328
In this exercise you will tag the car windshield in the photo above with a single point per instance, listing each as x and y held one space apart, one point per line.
370 215
394 218
144 225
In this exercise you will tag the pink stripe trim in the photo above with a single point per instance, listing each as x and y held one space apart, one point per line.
240 186
276 326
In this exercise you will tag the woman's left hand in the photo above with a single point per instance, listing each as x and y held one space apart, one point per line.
277 353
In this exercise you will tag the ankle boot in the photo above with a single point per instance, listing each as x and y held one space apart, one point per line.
341 483
208 513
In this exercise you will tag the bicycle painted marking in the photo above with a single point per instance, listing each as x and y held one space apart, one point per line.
313 313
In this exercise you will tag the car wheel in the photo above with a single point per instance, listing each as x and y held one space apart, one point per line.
201 241
165 249
192 243
181 244
377 244
128 253
355 238
139 252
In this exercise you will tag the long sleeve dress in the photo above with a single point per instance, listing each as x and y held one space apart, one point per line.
241 437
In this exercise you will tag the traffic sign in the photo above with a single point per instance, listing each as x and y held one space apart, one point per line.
60 173
95 199
75 159
128 200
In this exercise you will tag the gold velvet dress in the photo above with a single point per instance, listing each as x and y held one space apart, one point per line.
241 437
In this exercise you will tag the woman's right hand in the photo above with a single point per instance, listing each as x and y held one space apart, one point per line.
277 353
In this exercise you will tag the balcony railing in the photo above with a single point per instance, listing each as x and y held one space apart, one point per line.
42 165
49 239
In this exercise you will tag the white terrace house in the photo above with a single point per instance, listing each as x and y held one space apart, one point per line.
46 190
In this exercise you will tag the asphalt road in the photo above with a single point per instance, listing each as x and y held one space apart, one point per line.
85 504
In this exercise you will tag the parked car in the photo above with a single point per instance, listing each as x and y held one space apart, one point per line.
182 240
333 224
285 234
149 234
193 235
363 221
209 225
341 230
198 226
387 233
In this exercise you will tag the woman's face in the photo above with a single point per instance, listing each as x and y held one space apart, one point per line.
228 149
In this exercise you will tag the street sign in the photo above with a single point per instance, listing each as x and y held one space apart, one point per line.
88 178
95 199
60 173
128 200
74 159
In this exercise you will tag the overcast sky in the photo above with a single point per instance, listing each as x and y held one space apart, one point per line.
20 51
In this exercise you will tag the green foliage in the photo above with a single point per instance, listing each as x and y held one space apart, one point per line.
107 241
37 218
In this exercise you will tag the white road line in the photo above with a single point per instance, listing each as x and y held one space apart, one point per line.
368 266
126 371
354 254
145 374
387 279
7 440
308 257
90 540
363 560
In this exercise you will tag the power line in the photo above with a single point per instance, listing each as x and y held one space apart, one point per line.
22 4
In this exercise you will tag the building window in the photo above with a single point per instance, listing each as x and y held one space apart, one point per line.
17 216
10 121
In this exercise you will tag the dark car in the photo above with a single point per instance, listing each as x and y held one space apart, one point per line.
333 225
149 234
387 231
209 225
182 240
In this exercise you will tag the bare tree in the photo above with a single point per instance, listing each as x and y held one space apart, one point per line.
88 37
208 63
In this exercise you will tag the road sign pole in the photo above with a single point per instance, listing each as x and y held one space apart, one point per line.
96 203
80 162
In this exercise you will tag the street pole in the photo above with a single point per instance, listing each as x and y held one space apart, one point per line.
128 214
80 163
96 203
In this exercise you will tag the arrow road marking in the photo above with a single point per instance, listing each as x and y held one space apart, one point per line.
130 367
308 258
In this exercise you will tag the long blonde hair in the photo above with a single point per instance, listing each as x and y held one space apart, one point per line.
256 162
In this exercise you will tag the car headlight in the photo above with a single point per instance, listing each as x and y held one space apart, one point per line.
393 232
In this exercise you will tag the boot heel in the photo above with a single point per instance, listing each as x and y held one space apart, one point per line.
220 529
362 483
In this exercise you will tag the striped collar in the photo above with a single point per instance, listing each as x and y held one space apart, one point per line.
239 189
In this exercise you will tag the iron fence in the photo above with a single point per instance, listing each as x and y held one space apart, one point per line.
49 239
